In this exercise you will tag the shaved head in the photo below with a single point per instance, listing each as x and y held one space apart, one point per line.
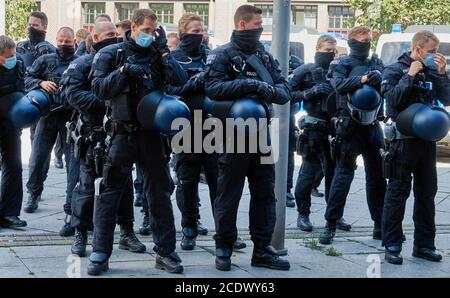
104 30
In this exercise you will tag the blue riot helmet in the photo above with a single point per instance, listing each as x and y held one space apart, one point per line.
424 121
41 100
23 113
157 111
364 104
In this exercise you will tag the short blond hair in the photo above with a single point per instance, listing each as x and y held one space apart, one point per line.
324 39
358 30
185 20
423 37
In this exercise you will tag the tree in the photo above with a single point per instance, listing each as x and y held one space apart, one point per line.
380 15
17 13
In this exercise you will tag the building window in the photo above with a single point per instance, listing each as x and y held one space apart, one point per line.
267 13
340 17
124 11
90 11
163 11
200 9
304 15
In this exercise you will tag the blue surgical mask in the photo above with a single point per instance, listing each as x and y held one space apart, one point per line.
11 62
144 40
429 62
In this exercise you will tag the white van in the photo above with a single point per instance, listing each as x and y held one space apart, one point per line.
302 42
391 46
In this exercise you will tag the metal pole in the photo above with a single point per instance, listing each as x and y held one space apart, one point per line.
2 17
280 50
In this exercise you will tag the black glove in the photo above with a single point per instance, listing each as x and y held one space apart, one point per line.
264 90
133 70
323 89
198 81
161 41
374 78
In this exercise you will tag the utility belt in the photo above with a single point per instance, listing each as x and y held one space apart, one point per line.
392 166
391 133
310 122
122 128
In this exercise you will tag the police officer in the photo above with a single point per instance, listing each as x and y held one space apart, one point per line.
83 47
124 73
229 76
46 73
191 55
310 86
12 72
357 131
92 110
418 76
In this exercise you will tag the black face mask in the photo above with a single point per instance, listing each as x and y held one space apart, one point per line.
359 49
36 35
99 45
119 39
247 40
323 59
191 43
66 51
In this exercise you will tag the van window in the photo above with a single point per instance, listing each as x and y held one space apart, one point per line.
295 48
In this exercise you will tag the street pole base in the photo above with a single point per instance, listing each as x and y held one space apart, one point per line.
282 251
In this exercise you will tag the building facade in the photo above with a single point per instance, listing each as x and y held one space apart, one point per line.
322 15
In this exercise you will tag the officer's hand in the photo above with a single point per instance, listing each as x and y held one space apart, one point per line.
198 81
374 78
265 91
133 70
49 86
161 41
323 89
415 68
441 62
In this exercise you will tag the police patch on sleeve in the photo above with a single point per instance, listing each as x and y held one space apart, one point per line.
211 58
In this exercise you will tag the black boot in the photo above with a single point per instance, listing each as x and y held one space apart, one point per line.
79 245
188 240
303 223
129 241
328 234
392 255
138 200
290 200
145 228
169 263
12 222
98 263
223 259
377 231
426 253
201 229
316 193
67 230
239 244
32 204
59 163
342 225
268 257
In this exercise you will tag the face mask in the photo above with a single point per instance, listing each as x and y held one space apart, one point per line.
247 40
429 62
144 40
10 63
36 35
99 45
66 51
323 59
119 39
359 49
191 43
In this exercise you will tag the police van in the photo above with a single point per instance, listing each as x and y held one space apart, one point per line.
391 46
302 42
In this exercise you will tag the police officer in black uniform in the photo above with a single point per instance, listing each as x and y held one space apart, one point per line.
417 77
354 136
12 72
191 55
92 147
310 86
124 73
229 77
46 73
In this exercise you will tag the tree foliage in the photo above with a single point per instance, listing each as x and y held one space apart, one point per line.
17 13
380 15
